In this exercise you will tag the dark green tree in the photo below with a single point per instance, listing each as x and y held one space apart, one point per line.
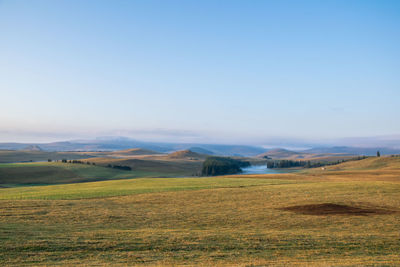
378 154
222 165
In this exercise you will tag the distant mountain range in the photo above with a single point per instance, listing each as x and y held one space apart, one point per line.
122 143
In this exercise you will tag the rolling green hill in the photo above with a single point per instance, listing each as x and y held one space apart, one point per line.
160 166
186 154
12 174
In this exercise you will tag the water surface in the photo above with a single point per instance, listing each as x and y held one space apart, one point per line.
262 169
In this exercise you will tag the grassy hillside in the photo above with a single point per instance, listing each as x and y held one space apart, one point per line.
373 168
186 154
12 174
372 163
160 166
37 173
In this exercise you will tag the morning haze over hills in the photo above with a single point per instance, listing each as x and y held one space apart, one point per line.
199 133
360 147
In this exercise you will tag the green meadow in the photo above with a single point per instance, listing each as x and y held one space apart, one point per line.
129 187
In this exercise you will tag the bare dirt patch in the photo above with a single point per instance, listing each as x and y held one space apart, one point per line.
337 209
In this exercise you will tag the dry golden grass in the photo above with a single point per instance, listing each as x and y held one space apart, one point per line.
229 226
237 226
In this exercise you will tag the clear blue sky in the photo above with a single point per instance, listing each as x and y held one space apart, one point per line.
241 71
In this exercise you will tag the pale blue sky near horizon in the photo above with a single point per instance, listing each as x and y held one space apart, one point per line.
242 71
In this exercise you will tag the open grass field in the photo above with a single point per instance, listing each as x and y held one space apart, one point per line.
309 218
130 187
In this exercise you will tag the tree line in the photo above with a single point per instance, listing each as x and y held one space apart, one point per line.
284 163
74 161
119 167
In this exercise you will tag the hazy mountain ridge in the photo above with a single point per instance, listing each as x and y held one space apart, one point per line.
126 143
122 143
201 150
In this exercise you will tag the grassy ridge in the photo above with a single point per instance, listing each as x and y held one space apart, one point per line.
372 163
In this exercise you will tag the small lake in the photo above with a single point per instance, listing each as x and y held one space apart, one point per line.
262 169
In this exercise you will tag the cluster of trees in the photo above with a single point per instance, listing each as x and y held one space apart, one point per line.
119 167
285 163
76 162
221 165
306 164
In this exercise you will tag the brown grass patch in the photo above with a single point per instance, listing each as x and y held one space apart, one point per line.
336 209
